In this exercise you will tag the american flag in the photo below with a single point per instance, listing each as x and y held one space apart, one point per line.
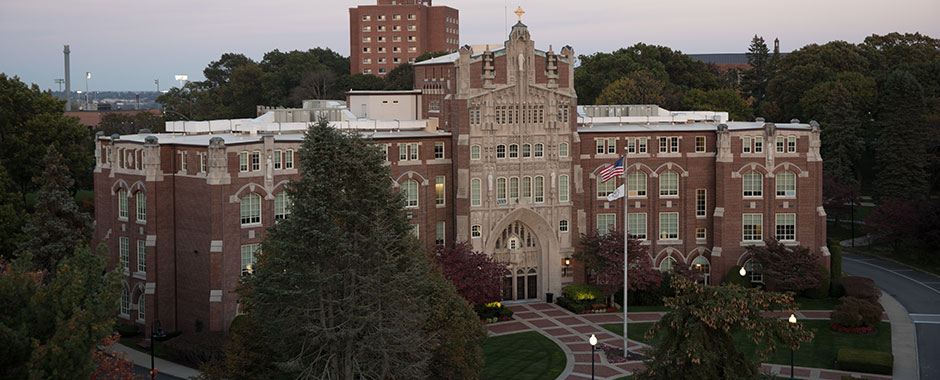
613 170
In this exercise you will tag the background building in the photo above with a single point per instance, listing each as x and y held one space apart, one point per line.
394 32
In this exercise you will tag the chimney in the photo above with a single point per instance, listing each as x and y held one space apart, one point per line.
68 81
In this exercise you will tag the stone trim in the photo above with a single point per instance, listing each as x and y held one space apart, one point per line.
215 246
215 296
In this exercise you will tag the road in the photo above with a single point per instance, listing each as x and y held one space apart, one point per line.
919 292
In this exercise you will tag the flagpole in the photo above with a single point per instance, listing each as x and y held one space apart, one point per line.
626 237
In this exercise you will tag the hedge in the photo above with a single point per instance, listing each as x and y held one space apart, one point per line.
857 312
822 290
835 260
861 287
582 292
867 361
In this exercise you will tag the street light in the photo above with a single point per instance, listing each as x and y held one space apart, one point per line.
567 261
155 332
87 77
593 342
792 321
182 78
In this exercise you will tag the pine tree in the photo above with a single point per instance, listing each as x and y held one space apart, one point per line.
341 285
901 151
11 222
58 226
756 77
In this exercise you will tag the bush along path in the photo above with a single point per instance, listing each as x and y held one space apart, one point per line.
571 332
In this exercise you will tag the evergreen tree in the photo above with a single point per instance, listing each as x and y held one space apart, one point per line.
902 141
457 331
756 77
57 226
11 223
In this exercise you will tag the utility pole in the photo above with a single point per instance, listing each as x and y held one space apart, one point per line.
68 80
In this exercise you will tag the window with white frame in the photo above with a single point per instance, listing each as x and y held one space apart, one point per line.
606 145
563 225
669 226
538 189
631 145
141 214
475 189
141 307
439 233
563 188
243 161
699 144
248 259
527 188
636 224
122 204
786 184
289 159
758 144
141 255
785 227
475 115
701 202
753 184
752 227
641 145
701 233
604 188
563 150
203 163
754 270
438 150
606 223
669 144
475 152
410 188
781 143
636 184
539 150
746 144
439 190
277 160
791 144
250 209
667 265
125 301
501 191
255 161
124 253
476 231
526 150
513 151
514 190
500 151
183 162
281 206
669 184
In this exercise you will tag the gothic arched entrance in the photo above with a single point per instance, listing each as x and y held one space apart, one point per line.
524 240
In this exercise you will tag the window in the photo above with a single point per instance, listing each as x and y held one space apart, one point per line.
701 233
141 214
416 231
255 160
475 115
641 145
606 223
753 184
631 145
669 184
203 162
412 16
281 206
289 159
476 231
611 146
786 227
250 209
606 146
277 160
366 18
538 187
563 150
513 151
501 191
563 188
396 17
781 144
248 252
668 145
791 144
438 150
636 184
408 152
539 150
514 190
702 265
669 226
439 190
475 185
183 162
699 144
410 187
141 307
754 270
605 188
141 255
439 233
526 150
600 145
701 202
636 225
758 145
786 184
475 152
527 188
124 252
562 225
125 301
667 265
122 204
752 227
746 144
500 151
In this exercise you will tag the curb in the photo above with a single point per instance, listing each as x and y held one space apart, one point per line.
903 339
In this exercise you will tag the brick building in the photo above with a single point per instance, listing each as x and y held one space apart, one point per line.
493 150
393 32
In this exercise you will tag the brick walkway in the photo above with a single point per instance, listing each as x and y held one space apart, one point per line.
571 331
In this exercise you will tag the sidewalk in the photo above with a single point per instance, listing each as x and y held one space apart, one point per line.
570 331
903 339
165 367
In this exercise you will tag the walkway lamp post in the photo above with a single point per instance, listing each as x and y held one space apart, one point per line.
742 272
792 321
155 332
593 342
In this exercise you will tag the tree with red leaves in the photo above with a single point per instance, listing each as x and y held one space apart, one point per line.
603 255
111 365
477 276
788 268
893 221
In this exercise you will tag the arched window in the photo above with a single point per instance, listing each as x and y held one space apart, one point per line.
501 190
636 184
141 308
539 189
786 184
500 151
122 204
125 301
539 150
514 189
251 209
513 151
563 150
526 150
667 265
754 270
669 184
604 188
475 152
282 206
410 187
141 199
702 265
475 189
753 184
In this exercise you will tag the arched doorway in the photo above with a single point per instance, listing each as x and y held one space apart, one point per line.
518 246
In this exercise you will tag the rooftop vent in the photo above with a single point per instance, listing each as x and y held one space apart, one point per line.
760 120
794 121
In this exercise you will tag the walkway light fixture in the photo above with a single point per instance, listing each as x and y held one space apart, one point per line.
593 341
792 321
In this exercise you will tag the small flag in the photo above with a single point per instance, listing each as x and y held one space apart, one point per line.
617 194
613 170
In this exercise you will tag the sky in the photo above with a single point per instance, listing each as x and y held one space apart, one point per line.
128 44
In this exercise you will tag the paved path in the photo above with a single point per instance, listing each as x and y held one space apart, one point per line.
570 332
166 370
918 292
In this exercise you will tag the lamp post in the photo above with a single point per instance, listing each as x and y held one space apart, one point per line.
155 332
87 77
742 272
593 342
792 321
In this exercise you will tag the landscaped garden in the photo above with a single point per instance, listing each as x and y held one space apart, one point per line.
525 355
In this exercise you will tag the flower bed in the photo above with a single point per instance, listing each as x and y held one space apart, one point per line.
493 312
860 330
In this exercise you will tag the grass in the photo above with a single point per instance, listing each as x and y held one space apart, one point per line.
819 353
525 355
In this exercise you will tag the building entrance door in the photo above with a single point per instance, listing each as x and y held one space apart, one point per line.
518 246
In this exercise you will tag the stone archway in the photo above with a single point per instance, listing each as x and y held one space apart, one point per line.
525 241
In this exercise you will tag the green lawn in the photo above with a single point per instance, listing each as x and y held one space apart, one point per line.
819 353
525 355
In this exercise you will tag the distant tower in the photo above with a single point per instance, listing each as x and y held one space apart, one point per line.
776 46
68 81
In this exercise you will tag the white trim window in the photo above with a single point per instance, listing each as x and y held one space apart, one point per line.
755 271
439 187
563 188
439 233
476 231
124 254
785 227
636 184
142 307
289 159
278 159
527 188
410 188
791 144
538 189
701 202
563 150
475 152
539 151
669 184
142 256
250 209
758 145
500 151
282 206
125 302
700 144
752 227
514 190
526 150
667 265
781 143
604 188
701 233
669 226
243 161
513 151
501 191
753 185
248 258
641 145
122 204
636 225
255 161
476 186
563 225
746 144
439 151
606 223
141 200
786 184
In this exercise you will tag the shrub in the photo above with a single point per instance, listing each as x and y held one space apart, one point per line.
868 361
861 287
197 349
582 292
573 306
857 312
835 260
127 330
821 291
734 277
836 289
